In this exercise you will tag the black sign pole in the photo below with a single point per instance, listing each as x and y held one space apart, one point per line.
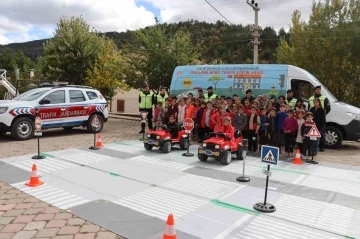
267 184
188 154
244 146
37 134
312 145
94 125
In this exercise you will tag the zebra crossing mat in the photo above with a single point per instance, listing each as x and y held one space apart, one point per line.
131 191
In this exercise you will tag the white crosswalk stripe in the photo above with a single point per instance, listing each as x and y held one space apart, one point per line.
264 227
234 167
334 185
330 217
45 165
52 195
86 158
157 202
202 186
126 148
161 162
336 173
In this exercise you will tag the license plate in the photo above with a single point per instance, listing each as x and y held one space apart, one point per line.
150 142
208 152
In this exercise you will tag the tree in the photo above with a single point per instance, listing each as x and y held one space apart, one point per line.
107 74
71 52
215 79
326 46
154 55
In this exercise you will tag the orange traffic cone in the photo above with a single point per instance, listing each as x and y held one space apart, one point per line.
169 232
34 179
99 144
297 159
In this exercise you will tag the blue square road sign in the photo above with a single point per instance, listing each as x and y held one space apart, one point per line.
269 154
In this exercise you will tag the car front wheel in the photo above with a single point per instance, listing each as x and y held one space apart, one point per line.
22 128
333 137
97 129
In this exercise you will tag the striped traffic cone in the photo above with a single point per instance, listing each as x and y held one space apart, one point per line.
99 143
169 232
297 159
34 179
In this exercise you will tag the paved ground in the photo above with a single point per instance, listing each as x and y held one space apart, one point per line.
23 217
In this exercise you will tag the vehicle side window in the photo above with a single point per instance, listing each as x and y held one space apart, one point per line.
56 97
92 95
76 96
302 89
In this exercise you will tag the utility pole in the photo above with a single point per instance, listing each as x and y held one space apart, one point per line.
255 29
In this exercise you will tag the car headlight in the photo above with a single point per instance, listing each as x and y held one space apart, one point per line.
149 135
158 137
351 115
204 144
3 109
217 146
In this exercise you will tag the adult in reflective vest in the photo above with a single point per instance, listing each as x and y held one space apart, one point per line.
162 96
210 94
146 102
290 100
325 104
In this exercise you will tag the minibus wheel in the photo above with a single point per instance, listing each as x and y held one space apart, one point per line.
333 137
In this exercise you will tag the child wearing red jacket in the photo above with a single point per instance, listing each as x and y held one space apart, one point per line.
228 129
206 124
218 119
290 126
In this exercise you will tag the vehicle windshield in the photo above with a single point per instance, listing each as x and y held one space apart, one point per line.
31 95
329 95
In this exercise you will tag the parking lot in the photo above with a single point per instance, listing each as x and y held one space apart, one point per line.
116 130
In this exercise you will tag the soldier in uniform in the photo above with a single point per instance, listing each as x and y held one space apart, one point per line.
146 102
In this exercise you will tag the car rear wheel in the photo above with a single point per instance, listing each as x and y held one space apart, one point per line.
202 157
148 146
92 129
22 128
225 157
166 147
333 137
184 143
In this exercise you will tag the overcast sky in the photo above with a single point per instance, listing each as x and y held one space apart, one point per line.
26 20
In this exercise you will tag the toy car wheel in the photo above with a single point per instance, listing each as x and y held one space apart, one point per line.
239 153
23 128
225 157
184 144
148 146
166 147
202 157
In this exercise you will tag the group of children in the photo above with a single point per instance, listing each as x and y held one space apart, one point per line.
262 123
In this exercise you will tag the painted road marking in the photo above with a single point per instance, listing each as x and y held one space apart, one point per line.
86 158
242 220
44 166
125 148
334 185
296 181
234 167
202 186
267 227
52 195
157 202
318 214
160 162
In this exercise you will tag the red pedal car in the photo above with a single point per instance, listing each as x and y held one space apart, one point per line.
220 147
162 138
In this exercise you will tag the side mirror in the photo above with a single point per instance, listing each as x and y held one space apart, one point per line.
44 102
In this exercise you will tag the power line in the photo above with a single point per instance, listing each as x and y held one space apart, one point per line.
235 51
218 12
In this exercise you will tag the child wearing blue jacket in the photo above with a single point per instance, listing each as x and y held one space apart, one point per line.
281 115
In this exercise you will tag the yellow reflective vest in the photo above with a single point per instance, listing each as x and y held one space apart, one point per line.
213 96
161 99
322 101
146 100
292 103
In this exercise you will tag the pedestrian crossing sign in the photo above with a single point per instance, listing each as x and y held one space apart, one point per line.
269 154
314 132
